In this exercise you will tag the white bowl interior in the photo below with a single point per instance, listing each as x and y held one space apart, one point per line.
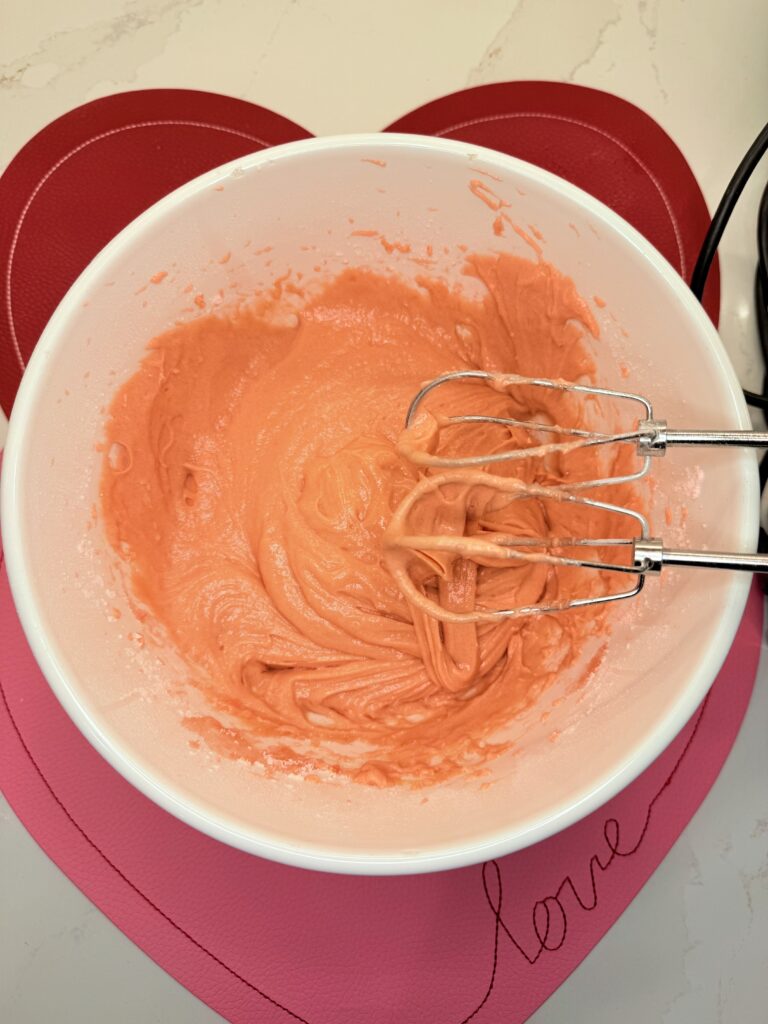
304 201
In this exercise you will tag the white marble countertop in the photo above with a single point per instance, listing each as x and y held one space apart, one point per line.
693 947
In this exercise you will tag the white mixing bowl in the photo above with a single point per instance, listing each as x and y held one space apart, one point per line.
662 657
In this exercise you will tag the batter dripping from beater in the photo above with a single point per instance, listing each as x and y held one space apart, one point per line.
252 472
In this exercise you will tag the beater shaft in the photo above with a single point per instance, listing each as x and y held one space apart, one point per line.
650 556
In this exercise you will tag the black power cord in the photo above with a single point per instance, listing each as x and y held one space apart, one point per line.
761 314
712 238
761 282
706 255
724 210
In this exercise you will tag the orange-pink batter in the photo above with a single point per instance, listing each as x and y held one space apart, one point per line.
250 475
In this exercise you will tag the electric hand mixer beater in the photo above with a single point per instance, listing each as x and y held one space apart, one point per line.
640 553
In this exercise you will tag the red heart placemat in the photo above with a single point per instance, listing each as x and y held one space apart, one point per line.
256 940
88 174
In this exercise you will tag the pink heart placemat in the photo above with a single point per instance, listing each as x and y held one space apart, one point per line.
255 940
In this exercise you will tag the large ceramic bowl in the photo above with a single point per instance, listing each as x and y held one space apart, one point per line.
663 655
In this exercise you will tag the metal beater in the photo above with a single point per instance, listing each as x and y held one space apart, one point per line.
645 555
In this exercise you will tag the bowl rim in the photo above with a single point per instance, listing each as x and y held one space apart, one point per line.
195 812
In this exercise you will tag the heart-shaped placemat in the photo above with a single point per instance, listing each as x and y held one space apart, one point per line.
256 940
88 174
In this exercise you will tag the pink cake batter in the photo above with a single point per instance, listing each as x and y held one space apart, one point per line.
250 475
